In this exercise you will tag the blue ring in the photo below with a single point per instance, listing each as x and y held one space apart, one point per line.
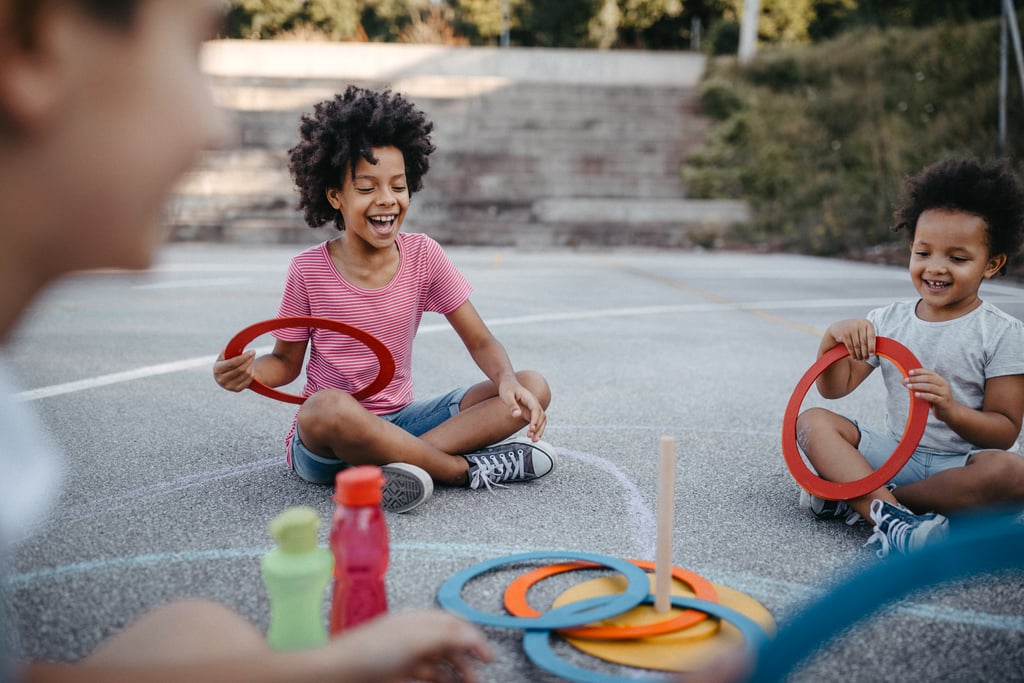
537 643
449 596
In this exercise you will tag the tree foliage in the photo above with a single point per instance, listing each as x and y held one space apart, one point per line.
819 138
585 23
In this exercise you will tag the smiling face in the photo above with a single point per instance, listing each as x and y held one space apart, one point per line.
949 259
374 200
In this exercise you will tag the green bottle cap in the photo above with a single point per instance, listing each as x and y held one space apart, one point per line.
295 529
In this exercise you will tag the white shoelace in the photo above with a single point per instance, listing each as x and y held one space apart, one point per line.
879 536
503 466
898 534
490 475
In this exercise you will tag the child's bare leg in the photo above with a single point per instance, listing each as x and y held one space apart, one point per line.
988 478
186 631
334 425
830 443
483 418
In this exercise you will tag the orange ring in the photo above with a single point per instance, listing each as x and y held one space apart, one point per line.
516 604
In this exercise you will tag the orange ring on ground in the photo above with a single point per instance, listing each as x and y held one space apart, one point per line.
900 356
384 357
516 604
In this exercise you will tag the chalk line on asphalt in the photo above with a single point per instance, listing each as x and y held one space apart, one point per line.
207 361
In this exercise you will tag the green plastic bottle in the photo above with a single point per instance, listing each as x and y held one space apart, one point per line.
296 574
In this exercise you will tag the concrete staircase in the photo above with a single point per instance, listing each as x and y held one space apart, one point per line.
535 147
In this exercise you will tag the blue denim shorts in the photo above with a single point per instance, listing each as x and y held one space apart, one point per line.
417 418
877 448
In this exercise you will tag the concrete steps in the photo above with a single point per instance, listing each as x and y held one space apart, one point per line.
535 147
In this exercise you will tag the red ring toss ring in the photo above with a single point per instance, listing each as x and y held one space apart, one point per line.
384 358
900 356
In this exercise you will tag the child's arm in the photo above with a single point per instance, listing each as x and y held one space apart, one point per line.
277 368
996 425
846 374
424 646
490 356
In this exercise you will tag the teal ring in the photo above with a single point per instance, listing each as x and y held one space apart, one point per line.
449 596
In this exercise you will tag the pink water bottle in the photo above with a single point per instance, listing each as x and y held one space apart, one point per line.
359 541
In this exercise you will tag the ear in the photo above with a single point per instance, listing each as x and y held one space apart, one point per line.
994 265
334 197
33 70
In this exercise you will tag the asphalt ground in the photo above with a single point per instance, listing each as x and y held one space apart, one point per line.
171 480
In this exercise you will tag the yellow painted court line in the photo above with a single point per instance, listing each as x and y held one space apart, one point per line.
711 296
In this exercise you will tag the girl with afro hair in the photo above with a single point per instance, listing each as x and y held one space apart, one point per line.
360 158
964 221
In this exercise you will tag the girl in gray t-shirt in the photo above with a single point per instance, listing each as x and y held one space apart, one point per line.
964 221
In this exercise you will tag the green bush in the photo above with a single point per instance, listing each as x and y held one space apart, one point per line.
724 37
719 99
820 138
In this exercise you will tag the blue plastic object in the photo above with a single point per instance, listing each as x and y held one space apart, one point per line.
449 596
978 545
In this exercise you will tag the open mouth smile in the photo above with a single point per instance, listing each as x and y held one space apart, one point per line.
935 285
383 224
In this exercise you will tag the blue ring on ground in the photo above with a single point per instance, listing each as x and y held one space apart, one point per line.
449 596
537 643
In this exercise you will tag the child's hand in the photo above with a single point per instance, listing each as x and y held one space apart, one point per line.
235 374
930 386
857 335
523 403
422 646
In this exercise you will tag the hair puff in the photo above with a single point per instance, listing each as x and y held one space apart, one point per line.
346 128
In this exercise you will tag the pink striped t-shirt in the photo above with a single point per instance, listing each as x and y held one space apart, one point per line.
426 280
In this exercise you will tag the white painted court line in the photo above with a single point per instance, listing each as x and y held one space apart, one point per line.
564 316
118 377
195 284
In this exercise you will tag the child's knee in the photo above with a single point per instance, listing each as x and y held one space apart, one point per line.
538 386
809 421
1002 471
325 410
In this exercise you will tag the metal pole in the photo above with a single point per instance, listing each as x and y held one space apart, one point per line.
504 23
1003 31
748 29
1011 20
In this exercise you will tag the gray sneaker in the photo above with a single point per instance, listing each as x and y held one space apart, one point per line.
405 486
830 509
898 528
509 462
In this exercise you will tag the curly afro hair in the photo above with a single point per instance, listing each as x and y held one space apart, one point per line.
990 191
346 128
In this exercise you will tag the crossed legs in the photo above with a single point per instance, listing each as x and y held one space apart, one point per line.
990 477
334 425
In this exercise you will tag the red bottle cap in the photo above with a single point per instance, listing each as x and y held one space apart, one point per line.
361 485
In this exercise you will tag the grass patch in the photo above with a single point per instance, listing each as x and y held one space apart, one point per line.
819 138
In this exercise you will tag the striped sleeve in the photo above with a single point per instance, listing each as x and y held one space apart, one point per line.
294 301
449 288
